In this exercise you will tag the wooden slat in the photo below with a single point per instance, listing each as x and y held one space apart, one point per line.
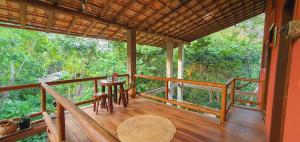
104 10
50 21
92 25
128 5
72 24
22 14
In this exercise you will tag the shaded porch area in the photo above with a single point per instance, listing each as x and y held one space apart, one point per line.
245 125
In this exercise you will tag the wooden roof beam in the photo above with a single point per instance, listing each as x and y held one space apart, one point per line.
128 5
91 26
48 6
72 24
22 14
50 20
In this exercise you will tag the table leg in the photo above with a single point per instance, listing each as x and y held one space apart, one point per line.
110 101
115 96
123 96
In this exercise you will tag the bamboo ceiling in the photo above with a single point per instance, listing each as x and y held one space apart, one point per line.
156 21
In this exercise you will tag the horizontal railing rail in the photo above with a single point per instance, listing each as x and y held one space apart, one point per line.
220 113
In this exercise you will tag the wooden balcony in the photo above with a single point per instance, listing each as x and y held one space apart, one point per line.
73 123
244 125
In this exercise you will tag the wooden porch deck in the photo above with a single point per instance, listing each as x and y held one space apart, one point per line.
244 125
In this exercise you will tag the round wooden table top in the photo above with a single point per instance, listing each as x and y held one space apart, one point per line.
111 83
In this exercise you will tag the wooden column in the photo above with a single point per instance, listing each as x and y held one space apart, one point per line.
61 123
180 72
169 66
131 53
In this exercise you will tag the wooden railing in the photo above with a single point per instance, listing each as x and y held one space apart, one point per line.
57 133
234 88
89 126
220 113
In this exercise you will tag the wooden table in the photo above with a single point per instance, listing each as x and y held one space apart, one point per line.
113 97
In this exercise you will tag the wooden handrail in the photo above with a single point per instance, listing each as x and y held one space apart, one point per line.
38 85
90 127
181 81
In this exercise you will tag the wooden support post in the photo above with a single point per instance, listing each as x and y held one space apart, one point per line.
232 94
60 123
223 104
169 66
180 72
131 54
43 99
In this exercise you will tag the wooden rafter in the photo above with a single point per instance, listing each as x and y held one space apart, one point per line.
164 25
146 6
108 4
60 9
128 5
230 22
200 21
102 30
197 28
116 32
209 30
91 26
152 15
169 13
50 20
72 24
22 15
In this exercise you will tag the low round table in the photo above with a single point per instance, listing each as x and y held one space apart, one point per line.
111 98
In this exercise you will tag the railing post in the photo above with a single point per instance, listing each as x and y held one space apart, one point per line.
232 94
223 104
43 99
167 90
95 86
60 122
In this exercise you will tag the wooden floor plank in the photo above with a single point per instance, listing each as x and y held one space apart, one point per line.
242 126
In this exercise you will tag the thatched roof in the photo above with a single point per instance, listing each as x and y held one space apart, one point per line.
156 21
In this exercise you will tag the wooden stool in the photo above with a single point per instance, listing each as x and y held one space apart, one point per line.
97 99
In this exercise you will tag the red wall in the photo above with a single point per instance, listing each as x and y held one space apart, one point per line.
292 118
270 19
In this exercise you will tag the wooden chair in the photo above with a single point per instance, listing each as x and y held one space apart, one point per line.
100 98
